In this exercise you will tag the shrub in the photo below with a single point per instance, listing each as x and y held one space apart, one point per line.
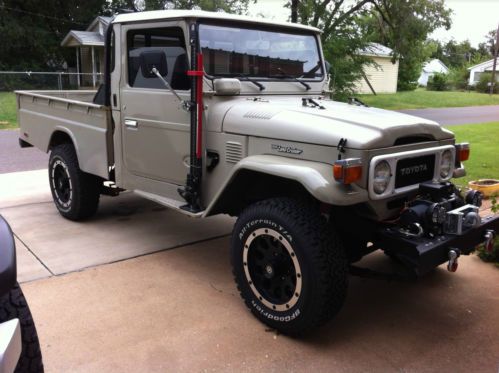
438 82
492 256
483 84
458 77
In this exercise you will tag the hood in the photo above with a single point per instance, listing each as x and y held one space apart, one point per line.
363 127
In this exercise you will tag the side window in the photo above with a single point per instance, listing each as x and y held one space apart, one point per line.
169 41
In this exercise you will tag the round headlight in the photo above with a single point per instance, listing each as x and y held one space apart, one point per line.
446 164
382 175
139 5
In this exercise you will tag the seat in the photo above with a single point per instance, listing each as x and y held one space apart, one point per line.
180 80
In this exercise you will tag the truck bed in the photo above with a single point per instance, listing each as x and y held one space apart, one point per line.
46 115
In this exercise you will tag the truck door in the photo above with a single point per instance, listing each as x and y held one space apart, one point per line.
155 127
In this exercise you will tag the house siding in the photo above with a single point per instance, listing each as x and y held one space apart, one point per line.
383 78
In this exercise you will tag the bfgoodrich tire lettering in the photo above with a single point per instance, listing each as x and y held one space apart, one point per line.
75 193
290 269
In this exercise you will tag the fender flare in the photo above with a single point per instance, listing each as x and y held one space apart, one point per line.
8 265
315 177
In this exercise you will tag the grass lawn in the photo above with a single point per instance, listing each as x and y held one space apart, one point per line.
421 98
8 116
484 143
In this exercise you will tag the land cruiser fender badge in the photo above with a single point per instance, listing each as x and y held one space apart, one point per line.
286 149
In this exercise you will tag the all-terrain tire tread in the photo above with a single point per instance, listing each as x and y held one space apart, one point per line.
87 195
13 305
326 252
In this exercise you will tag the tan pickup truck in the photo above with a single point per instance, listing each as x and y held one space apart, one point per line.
210 113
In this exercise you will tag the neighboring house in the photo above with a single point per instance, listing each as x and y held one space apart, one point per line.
430 68
484 67
383 76
89 46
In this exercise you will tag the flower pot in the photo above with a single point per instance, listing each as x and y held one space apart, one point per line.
488 187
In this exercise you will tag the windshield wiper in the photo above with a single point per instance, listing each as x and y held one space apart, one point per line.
313 70
283 75
246 78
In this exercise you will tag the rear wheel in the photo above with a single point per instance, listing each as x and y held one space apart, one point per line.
290 270
76 193
14 306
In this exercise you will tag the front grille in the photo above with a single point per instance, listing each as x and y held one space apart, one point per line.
415 170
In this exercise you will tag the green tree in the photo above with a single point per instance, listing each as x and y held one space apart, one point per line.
31 31
404 26
342 38
348 27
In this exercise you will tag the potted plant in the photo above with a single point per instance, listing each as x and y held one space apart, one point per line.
488 187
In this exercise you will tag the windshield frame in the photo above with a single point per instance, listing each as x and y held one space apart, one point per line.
268 28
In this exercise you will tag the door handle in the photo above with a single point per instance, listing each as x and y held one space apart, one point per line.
131 123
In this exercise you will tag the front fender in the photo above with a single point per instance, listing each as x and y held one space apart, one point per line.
315 177
8 268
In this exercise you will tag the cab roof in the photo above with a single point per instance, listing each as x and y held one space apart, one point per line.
157 15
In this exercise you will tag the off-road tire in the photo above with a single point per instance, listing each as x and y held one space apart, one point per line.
13 305
84 188
321 261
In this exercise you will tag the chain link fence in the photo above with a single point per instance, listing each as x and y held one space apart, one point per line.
61 80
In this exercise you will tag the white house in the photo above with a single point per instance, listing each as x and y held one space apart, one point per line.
382 78
430 68
89 46
484 67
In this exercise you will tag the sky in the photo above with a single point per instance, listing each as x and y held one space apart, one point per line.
472 19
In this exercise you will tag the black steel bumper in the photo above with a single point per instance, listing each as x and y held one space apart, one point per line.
8 269
423 254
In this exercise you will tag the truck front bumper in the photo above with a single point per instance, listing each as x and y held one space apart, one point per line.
422 254
10 345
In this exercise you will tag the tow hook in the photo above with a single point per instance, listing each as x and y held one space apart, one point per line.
489 236
453 255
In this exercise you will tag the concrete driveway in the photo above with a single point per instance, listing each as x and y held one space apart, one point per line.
103 304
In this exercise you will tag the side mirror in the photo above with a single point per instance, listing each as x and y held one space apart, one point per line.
150 59
227 86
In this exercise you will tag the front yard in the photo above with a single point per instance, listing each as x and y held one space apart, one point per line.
483 139
421 98
8 116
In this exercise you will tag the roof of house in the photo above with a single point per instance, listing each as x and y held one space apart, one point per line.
182 14
376 50
434 66
90 37
484 65
86 38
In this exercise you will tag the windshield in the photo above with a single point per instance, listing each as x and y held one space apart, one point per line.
236 51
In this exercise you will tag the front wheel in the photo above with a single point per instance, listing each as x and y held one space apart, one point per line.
290 269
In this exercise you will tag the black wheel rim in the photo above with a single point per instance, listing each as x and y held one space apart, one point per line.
61 184
272 269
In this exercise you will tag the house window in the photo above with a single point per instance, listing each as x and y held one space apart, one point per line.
169 41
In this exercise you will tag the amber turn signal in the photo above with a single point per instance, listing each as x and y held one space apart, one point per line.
463 151
347 171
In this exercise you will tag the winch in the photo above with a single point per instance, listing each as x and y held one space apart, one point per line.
440 209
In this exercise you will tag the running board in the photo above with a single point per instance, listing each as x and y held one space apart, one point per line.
169 202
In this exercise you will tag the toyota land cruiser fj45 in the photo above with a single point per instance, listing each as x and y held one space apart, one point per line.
210 113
